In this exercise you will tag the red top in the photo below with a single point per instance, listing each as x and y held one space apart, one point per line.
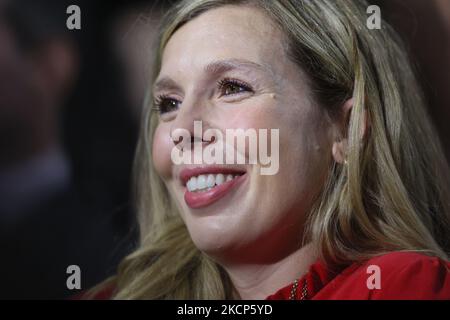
402 276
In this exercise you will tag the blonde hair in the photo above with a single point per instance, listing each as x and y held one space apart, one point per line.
392 195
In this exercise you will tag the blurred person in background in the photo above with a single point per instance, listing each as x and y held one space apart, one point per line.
64 164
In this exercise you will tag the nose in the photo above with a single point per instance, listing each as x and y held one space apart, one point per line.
188 127
184 138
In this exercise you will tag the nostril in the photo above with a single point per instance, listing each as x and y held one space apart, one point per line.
179 136
177 141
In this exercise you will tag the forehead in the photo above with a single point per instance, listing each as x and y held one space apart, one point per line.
229 32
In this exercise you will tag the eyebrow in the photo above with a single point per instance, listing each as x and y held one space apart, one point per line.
213 68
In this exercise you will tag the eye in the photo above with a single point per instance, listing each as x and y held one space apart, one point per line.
165 104
229 87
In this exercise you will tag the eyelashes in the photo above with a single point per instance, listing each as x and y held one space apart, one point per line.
238 86
165 104
226 87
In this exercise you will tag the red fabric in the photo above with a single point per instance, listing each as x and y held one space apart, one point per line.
104 294
404 276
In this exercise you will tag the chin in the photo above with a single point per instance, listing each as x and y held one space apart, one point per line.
212 243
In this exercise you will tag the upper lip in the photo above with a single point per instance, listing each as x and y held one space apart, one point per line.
187 173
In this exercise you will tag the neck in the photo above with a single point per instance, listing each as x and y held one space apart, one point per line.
256 282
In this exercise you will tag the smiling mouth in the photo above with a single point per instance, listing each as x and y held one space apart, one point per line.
203 182
205 186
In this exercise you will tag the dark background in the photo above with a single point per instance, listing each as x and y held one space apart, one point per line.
69 114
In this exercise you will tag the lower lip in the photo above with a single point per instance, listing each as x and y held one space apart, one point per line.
196 200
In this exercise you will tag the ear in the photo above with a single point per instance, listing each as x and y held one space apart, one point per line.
340 146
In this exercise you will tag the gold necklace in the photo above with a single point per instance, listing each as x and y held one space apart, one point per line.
294 290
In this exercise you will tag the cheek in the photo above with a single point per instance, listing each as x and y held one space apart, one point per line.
258 114
161 150
306 148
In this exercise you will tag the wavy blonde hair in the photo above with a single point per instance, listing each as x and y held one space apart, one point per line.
393 195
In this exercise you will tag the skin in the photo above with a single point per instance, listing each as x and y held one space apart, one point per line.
257 238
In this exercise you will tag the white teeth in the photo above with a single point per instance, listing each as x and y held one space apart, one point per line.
206 182
201 182
210 181
192 184
220 178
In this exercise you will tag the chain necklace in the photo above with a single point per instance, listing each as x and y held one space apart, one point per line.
294 290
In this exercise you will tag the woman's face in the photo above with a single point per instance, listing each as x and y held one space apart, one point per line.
228 68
